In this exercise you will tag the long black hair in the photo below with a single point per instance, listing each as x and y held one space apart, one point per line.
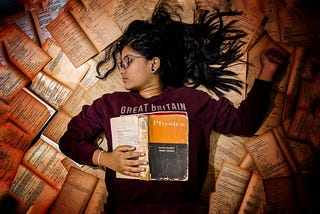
196 54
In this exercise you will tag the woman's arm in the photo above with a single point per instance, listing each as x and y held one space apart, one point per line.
123 159
77 143
248 117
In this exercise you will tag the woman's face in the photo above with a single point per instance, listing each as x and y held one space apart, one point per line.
135 70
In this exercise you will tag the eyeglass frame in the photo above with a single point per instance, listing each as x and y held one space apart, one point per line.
124 65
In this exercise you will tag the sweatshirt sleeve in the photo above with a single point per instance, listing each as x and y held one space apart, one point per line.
77 141
248 117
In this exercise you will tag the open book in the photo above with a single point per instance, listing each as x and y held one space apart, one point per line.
271 155
81 193
162 137
237 190
42 178
36 183
23 118
90 26
22 60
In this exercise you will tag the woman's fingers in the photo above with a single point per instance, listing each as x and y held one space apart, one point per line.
275 56
125 148
129 162
133 170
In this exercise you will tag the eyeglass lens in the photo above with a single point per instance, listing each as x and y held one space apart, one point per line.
126 61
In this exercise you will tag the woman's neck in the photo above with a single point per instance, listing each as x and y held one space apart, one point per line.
151 91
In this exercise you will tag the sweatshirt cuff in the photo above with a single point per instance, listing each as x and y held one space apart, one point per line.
261 87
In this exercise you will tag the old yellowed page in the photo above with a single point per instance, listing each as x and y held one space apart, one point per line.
281 194
123 12
98 199
37 194
254 200
75 102
298 61
283 143
249 22
230 149
304 155
111 84
45 161
75 192
268 156
146 8
301 125
222 5
49 89
42 18
57 126
14 136
12 80
247 163
91 76
270 10
4 112
96 22
23 51
230 187
69 35
24 20
10 159
299 25
61 68
29 112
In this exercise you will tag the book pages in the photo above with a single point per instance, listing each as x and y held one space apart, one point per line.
131 130
42 18
10 159
23 51
96 22
267 156
37 194
13 135
68 34
254 199
75 193
30 112
45 161
229 189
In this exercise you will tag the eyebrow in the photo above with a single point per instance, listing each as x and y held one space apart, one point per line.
132 55
126 56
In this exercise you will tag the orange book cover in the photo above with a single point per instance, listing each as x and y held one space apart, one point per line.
168 147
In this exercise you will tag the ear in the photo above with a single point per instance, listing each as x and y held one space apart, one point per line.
155 64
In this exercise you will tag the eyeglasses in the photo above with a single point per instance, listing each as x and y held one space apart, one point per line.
126 61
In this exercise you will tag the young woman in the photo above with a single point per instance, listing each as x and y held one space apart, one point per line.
157 58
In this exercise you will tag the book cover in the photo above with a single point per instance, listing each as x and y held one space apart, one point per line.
168 147
164 139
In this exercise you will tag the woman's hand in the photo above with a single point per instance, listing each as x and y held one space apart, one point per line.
271 59
125 159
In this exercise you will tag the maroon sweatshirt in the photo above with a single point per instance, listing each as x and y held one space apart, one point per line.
204 115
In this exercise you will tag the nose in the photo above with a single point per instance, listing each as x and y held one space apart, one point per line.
122 71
